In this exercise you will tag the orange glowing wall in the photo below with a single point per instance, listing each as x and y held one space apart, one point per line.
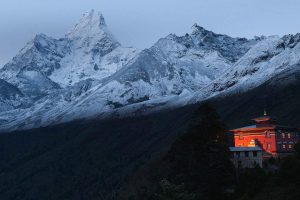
265 138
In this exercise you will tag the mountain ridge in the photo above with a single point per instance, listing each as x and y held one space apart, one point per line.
89 74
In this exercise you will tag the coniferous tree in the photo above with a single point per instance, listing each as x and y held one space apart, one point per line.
200 157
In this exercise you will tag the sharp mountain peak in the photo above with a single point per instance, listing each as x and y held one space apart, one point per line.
91 25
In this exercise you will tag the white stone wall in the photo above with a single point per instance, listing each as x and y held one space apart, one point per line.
240 160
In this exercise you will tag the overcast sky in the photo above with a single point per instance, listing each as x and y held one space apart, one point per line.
140 23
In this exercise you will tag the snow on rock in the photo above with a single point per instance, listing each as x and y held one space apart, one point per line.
94 52
268 58
89 74
99 77
10 96
46 65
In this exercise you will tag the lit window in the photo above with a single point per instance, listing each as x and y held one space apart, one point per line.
283 135
283 146
268 146
289 135
290 146
241 137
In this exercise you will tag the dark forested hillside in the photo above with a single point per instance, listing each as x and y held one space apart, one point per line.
92 159
197 165
152 180
280 96
81 160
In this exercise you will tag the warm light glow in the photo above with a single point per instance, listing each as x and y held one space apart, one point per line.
267 135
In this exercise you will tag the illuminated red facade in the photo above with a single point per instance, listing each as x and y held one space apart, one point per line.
274 139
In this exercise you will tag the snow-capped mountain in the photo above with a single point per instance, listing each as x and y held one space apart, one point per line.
94 52
89 74
270 57
47 66
87 51
174 66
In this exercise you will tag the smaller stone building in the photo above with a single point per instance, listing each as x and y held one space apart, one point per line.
246 157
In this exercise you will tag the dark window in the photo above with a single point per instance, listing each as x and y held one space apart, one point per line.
239 164
278 132
268 135
238 154
254 153
295 134
246 154
241 137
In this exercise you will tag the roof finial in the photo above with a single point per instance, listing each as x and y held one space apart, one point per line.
265 112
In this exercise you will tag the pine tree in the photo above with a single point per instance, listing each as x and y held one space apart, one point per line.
200 158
